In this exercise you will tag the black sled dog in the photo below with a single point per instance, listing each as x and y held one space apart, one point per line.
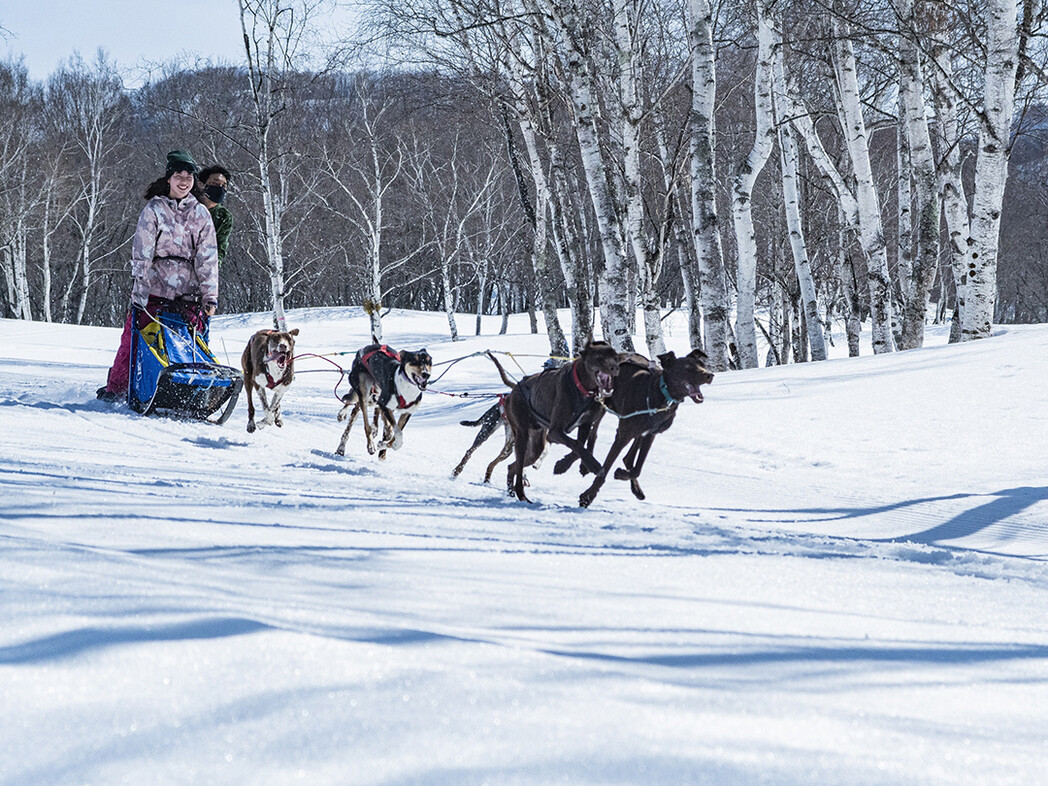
546 407
393 382
645 399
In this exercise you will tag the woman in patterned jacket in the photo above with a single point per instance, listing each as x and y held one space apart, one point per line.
174 257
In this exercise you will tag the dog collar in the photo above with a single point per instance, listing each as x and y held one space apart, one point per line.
578 382
666 392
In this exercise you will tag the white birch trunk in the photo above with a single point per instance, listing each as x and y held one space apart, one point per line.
991 169
564 206
628 20
19 251
904 214
869 216
705 225
951 185
482 284
802 266
449 297
373 301
45 260
552 206
914 116
544 207
9 280
261 68
849 285
88 228
583 96
742 191
274 252
791 202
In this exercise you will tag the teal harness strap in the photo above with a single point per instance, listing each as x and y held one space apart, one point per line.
671 402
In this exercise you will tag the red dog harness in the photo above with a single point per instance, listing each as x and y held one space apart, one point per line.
270 382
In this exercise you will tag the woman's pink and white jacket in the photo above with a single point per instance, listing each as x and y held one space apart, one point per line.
174 252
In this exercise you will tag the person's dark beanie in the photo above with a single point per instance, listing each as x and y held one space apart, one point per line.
180 161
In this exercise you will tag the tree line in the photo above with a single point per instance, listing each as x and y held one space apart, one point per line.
769 167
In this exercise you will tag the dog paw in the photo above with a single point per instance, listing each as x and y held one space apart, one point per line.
562 466
341 451
585 498
251 427
279 422
621 474
635 488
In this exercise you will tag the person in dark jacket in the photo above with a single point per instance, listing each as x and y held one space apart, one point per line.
215 181
174 256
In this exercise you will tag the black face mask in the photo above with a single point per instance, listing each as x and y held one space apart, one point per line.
215 193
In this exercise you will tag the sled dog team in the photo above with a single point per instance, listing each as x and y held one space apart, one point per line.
542 408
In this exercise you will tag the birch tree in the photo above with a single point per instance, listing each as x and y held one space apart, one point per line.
705 224
742 190
871 228
788 157
16 132
362 175
913 116
539 215
453 193
274 34
565 29
89 107
945 100
991 168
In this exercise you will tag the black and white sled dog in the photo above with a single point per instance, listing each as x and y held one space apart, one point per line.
393 382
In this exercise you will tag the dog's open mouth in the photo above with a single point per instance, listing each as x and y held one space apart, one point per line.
604 384
420 380
278 356
695 394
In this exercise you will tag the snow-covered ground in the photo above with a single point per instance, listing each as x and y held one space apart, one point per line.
839 576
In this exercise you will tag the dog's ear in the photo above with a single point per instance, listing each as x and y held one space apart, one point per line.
667 359
293 332
699 355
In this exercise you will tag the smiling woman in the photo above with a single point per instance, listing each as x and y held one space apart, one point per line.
174 257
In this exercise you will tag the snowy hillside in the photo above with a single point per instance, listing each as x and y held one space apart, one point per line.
839 576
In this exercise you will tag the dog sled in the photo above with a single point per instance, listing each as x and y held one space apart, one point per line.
174 372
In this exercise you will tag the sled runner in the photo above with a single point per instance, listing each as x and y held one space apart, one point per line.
173 371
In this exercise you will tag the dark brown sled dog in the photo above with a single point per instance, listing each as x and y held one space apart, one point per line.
645 400
547 406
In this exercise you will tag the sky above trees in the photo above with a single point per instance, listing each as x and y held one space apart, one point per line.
132 32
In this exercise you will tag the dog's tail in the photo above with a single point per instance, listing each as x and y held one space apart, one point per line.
471 423
502 372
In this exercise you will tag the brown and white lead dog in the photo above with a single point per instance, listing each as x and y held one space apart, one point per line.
269 364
